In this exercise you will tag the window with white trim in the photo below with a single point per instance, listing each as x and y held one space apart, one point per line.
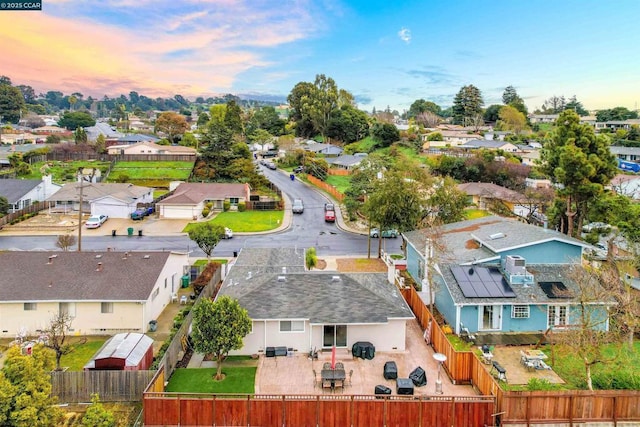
30 306
106 307
291 326
520 312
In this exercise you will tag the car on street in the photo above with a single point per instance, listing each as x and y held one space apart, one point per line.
298 206
329 207
95 221
330 216
271 165
298 169
599 227
228 233
390 233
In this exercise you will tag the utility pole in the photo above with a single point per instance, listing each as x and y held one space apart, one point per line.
80 212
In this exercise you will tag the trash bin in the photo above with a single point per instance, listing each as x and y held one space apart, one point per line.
292 177
185 281
130 231
113 233
235 254
139 233
153 325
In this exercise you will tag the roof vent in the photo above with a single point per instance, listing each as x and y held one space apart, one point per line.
282 278
146 257
495 236
51 257
471 271
99 267
249 275
335 278
284 270
99 256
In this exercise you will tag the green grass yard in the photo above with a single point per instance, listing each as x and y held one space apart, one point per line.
246 222
169 171
475 213
63 171
342 183
76 360
237 380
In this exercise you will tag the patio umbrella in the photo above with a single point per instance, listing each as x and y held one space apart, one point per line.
333 357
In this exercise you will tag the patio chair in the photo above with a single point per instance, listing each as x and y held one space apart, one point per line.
316 381
339 365
348 380
174 297
465 334
326 385
326 365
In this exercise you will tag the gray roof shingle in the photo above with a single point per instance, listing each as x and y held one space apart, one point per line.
15 189
74 276
91 191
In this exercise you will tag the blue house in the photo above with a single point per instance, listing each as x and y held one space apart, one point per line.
496 274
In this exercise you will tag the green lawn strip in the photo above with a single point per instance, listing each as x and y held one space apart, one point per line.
246 222
475 213
157 193
63 171
458 343
79 357
570 367
203 262
155 165
201 380
342 183
149 173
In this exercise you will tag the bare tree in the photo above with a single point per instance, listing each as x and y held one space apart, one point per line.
585 335
436 251
65 241
428 119
56 334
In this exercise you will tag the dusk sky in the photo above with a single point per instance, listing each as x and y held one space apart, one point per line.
386 53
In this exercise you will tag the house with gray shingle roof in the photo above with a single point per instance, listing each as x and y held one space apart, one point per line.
21 193
496 274
346 161
115 200
104 292
490 145
328 150
488 196
295 308
189 199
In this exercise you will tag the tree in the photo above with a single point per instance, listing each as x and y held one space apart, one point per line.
56 333
492 113
233 118
310 258
189 140
420 106
97 415
585 334
467 105
512 119
100 144
27 399
297 99
171 124
322 103
348 124
510 95
33 121
206 235
80 136
576 106
578 159
218 327
428 119
65 241
617 113
76 119
4 205
385 134
11 103
446 204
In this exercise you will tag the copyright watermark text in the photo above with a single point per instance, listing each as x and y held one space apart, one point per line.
20 5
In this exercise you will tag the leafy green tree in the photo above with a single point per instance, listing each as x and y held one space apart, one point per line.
323 103
206 235
467 105
172 124
420 106
203 119
11 103
310 258
189 140
297 99
510 95
97 415
53 139
4 205
576 106
233 118
100 144
492 113
512 119
617 113
74 119
578 159
348 124
218 327
267 119
385 134
30 402
80 136
446 204
435 136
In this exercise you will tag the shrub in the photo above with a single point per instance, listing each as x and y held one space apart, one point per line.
311 259
242 206
226 205
539 384
205 212
209 205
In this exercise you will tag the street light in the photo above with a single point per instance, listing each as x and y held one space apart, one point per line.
440 358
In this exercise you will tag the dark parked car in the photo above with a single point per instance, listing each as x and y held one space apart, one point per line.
139 214
298 169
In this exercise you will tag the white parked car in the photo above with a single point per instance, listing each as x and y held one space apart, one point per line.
95 221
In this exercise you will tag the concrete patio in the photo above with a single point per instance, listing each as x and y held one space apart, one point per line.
294 374
509 358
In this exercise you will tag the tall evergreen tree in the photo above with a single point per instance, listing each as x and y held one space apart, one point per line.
467 105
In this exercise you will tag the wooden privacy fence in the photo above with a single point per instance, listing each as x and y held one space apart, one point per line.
172 409
339 172
459 364
326 187
112 386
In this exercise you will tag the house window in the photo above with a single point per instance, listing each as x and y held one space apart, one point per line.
67 308
520 312
234 200
30 306
165 282
106 307
291 326
421 269
557 316
157 291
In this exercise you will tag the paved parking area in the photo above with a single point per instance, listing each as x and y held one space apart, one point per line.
294 375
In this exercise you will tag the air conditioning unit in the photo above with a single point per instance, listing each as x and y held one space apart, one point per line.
515 265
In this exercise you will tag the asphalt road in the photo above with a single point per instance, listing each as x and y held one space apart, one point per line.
306 230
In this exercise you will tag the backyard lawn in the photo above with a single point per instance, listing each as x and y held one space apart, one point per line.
200 380
247 221
76 360
475 213
158 173
342 183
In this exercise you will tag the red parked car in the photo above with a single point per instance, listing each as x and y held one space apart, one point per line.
330 216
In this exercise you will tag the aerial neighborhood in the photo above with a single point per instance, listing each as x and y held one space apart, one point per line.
236 261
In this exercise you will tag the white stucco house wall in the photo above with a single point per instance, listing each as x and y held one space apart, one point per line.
104 292
21 193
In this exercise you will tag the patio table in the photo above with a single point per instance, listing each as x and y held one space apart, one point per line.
534 355
334 376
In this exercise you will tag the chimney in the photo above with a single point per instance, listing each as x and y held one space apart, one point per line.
99 267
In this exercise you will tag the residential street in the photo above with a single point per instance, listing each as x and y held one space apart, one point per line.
305 230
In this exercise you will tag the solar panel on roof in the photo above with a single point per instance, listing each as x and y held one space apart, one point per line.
555 290
482 282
